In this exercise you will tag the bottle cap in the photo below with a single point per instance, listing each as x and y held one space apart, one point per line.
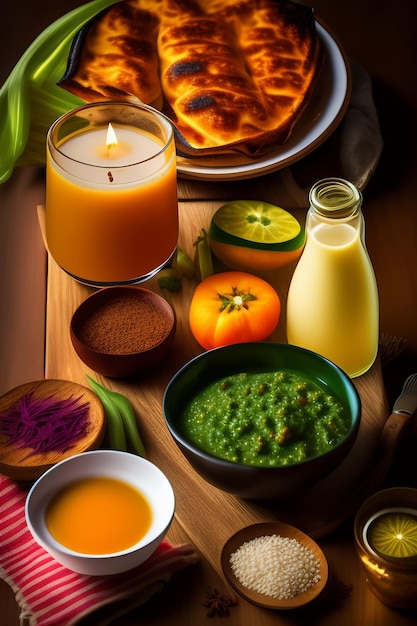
335 197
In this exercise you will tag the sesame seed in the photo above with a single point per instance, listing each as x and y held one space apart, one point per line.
275 566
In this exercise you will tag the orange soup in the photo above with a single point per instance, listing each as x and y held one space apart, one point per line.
98 515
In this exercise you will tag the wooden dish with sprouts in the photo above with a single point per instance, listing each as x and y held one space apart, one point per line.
44 422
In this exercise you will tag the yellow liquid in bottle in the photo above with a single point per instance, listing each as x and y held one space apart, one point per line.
332 305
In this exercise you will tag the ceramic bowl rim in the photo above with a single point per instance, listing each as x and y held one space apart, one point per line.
45 539
354 399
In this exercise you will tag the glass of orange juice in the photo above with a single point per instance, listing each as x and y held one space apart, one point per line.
111 193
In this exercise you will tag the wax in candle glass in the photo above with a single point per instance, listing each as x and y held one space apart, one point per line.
111 204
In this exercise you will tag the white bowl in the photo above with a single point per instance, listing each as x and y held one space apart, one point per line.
130 468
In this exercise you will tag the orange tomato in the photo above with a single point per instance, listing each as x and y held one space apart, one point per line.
233 307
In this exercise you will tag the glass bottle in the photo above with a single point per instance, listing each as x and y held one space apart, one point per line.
332 305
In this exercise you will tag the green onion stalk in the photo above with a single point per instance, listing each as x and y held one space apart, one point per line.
30 99
121 427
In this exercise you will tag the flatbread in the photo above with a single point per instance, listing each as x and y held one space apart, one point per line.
232 75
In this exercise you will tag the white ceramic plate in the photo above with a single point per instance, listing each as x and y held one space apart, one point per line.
322 116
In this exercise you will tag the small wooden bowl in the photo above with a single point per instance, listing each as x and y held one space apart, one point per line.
123 331
284 530
19 463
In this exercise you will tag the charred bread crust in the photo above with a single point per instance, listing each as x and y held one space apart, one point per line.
231 75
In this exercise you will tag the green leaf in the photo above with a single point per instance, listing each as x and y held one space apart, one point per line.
30 100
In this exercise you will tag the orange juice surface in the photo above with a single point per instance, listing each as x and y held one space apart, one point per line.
111 232
333 288
98 515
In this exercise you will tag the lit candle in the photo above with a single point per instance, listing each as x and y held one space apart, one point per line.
392 533
114 146
111 193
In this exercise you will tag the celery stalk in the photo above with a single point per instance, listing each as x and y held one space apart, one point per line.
30 99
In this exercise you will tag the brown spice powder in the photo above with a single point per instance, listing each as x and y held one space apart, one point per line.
126 324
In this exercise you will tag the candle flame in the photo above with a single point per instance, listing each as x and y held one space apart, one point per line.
111 139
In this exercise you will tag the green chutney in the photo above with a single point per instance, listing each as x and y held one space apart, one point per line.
265 419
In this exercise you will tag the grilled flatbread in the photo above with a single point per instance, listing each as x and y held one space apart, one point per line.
232 75
115 55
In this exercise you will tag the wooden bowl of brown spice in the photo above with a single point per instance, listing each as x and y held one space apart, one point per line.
121 331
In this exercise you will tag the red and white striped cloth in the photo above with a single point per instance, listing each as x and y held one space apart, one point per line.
50 594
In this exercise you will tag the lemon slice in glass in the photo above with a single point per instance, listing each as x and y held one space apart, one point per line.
394 535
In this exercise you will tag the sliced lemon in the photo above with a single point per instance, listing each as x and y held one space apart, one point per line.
254 235
257 222
394 535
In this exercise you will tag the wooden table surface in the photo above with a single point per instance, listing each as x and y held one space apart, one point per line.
382 41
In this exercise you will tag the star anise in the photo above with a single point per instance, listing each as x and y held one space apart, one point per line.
218 603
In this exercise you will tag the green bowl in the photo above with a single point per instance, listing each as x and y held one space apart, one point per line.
248 481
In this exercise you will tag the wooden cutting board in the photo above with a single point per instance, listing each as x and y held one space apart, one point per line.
208 515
